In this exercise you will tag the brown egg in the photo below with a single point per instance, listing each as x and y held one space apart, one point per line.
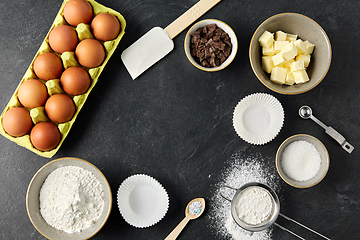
90 53
60 108
78 11
32 93
48 66
17 121
63 38
75 80
45 136
105 26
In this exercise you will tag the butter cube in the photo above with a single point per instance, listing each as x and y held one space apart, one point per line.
266 40
285 57
291 37
289 51
301 76
287 64
289 79
300 45
278 45
309 47
278 59
267 63
268 51
278 75
280 36
297 66
305 58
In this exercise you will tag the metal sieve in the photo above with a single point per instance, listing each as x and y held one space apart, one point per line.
270 220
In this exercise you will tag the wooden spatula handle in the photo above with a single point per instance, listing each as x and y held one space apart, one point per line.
189 17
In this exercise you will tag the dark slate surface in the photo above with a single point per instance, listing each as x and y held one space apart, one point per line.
175 122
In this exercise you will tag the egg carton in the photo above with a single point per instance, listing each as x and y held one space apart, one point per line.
53 86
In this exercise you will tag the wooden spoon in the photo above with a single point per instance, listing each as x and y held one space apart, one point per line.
189 215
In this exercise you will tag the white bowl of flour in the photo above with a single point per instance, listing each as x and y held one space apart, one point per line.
68 198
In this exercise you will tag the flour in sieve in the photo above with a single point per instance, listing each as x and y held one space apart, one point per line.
71 199
242 168
254 205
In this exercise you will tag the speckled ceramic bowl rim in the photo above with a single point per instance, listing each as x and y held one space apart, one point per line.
58 160
227 62
277 160
251 59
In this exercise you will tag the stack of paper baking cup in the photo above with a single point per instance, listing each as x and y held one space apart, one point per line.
142 200
258 118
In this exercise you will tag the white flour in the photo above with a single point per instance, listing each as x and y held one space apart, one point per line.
254 205
71 199
242 169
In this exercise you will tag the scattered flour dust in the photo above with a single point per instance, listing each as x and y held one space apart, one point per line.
241 170
71 199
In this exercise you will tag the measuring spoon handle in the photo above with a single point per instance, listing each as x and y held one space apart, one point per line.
335 135
318 122
175 233
340 139
330 131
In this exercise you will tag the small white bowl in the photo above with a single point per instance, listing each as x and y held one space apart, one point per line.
142 200
224 27
33 203
324 155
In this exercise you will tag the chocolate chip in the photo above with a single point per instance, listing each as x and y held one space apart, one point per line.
219 45
210 45
211 27
216 38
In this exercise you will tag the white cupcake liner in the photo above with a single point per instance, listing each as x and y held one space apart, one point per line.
258 118
142 200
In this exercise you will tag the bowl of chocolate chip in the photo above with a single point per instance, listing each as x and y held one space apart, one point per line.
210 45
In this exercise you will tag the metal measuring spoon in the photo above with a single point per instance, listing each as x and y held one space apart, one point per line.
305 112
190 213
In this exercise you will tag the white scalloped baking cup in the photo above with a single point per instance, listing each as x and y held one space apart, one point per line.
142 200
258 118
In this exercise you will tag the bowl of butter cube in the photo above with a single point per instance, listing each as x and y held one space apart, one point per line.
290 53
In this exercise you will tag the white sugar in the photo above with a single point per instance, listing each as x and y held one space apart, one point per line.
241 170
301 161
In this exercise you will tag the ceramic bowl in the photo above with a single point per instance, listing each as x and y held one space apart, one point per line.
306 29
33 204
324 166
224 27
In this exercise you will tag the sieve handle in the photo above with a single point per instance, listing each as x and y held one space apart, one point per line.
287 230
221 194
292 220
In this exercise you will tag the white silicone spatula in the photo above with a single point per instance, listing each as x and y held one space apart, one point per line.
157 42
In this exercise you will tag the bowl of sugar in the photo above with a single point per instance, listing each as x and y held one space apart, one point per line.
68 198
302 161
